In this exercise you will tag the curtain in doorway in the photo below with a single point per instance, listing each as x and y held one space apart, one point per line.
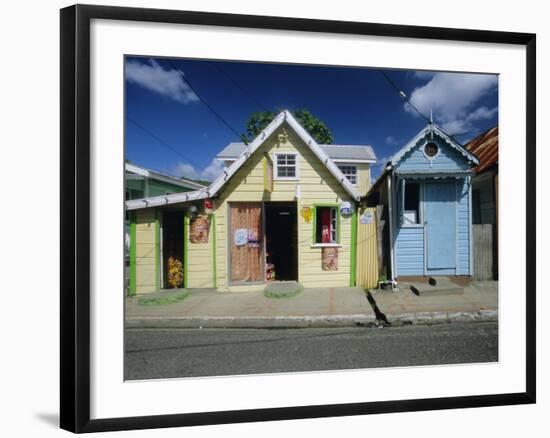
246 242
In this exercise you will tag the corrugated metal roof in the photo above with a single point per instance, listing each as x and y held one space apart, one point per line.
334 151
485 147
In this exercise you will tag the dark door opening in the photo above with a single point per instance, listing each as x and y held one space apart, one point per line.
281 230
173 249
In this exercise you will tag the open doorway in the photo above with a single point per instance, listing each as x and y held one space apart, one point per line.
173 238
281 231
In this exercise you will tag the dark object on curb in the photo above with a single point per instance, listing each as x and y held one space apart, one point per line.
432 281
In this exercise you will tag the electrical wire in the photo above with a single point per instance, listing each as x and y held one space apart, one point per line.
243 90
218 115
158 139
403 96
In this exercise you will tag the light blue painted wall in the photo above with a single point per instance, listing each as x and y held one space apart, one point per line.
409 247
409 251
463 227
448 159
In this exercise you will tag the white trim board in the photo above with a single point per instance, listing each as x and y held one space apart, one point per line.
215 187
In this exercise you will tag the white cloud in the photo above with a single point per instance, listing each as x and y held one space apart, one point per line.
452 98
391 140
153 77
209 173
424 74
213 170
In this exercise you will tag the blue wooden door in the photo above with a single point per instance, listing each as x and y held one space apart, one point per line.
440 218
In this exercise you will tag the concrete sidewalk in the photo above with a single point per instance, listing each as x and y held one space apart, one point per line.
319 307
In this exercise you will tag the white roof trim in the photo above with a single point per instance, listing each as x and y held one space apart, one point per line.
325 159
129 167
158 201
215 187
436 130
352 161
306 138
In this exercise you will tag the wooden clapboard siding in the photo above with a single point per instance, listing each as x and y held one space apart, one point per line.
199 261
410 242
483 251
463 228
448 158
409 251
317 186
367 251
146 256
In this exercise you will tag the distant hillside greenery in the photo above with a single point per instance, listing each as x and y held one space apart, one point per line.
257 122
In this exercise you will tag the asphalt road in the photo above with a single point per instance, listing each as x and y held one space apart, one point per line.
156 353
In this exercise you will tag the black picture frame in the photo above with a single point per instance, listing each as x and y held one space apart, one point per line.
75 217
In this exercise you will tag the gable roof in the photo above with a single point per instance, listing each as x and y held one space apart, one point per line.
336 152
485 146
216 186
153 174
431 129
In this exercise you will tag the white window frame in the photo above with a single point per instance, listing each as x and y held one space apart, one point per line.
420 217
334 223
341 165
276 167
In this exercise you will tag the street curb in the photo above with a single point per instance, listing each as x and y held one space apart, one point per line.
317 321
429 318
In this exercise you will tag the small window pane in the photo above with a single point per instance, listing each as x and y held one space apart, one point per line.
350 172
286 165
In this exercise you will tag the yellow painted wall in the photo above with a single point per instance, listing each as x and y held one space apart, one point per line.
199 261
317 185
367 255
363 177
145 251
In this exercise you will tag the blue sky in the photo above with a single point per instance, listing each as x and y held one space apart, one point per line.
169 129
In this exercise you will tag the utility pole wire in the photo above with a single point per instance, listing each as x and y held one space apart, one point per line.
406 99
404 96
244 90
220 118
158 139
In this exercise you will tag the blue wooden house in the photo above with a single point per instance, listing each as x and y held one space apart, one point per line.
425 208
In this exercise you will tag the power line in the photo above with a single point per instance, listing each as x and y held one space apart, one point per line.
220 118
406 99
244 90
403 95
157 138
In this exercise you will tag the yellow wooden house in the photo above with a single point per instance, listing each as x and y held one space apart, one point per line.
284 209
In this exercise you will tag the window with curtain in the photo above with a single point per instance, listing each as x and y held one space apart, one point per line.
326 225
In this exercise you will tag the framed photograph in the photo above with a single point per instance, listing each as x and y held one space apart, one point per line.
269 218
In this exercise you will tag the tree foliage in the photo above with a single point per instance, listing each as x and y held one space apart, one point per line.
257 122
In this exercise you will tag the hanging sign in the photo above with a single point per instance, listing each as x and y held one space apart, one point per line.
366 218
346 208
241 236
208 204
329 259
198 229
253 239
306 214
